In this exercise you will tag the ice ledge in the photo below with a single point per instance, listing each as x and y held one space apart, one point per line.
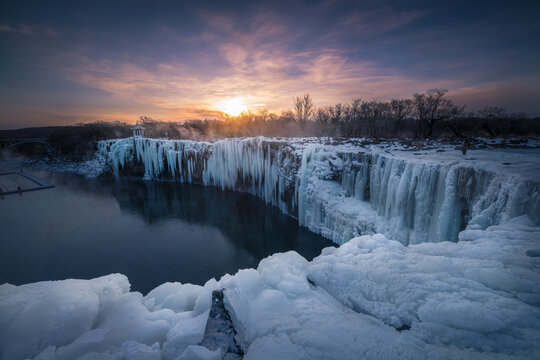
345 190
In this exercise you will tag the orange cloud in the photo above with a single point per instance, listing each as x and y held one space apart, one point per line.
259 75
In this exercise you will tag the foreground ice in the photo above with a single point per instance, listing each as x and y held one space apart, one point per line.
478 298
101 319
480 293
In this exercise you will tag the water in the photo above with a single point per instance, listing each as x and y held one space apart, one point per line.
153 232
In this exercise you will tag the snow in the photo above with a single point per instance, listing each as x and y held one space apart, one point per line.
345 190
194 352
52 312
481 292
70 318
175 296
438 259
474 299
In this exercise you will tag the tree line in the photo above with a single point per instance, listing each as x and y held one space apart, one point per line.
430 114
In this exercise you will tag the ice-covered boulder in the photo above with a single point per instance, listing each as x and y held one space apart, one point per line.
69 319
278 313
482 292
35 316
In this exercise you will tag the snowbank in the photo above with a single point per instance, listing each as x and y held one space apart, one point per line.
71 318
371 298
482 292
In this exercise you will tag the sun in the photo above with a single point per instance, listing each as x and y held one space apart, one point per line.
233 106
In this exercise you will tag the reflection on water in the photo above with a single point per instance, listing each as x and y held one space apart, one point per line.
151 231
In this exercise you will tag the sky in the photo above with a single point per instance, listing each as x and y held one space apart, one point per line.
65 62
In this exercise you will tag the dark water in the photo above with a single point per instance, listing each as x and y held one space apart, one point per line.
153 232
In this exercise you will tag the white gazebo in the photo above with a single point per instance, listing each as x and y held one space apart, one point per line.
138 130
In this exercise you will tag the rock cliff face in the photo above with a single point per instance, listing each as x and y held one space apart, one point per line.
342 191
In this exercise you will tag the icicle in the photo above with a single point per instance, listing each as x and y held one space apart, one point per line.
407 199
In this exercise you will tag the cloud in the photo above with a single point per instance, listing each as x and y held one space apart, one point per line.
515 93
379 20
271 76
262 63
27 30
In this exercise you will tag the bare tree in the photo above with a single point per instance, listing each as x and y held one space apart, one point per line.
400 110
287 116
427 114
431 108
492 119
373 114
492 112
263 114
303 106
351 117
322 117
336 113
147 120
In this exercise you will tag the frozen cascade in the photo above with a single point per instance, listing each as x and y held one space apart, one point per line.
343 191
180 157
258 166
407 199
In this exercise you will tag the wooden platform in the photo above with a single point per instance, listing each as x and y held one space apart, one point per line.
15 182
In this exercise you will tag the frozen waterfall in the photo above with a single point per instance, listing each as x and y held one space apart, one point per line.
342 191
260 167
421 297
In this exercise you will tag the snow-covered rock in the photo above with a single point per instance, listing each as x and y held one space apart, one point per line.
70 318
278 313
481 292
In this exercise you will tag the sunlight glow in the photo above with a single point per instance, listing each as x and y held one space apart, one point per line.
234 106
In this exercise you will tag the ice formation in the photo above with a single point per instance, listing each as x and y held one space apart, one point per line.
475 299
241 164
74 319
438 259
342 191
410 198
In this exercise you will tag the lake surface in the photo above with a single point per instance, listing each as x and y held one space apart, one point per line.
153 232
